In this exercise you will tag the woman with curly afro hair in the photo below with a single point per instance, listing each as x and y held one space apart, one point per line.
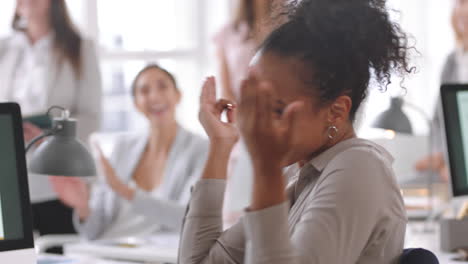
296 108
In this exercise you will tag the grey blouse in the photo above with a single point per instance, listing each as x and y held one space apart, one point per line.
185 163
344 207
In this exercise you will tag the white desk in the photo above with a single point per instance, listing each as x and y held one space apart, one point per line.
146 254
162 248
418 235
77 260
421 235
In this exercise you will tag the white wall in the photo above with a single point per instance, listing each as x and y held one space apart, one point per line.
6 14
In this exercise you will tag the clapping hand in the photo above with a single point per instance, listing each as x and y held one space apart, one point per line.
112 179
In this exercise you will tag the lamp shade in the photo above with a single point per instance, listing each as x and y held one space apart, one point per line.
62 154
394 118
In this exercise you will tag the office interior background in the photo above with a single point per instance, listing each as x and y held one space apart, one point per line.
178 34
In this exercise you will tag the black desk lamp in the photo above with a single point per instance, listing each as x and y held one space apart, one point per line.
61 154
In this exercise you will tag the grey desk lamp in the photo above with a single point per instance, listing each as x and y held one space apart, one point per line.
394 118
61 154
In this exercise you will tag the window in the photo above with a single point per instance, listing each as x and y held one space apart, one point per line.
177 34
133 33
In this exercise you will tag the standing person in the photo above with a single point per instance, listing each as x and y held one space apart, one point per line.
297 106
149 173
238 40
455 71
236 44
46 62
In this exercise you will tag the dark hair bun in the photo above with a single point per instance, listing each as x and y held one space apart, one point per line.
345 42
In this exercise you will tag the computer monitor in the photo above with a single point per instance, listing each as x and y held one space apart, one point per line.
16 244
455 108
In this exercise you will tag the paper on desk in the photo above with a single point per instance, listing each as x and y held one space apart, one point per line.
55 260
164 240
160 240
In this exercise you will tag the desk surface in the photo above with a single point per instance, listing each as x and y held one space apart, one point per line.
424 235
418 235
161 248
53 259
141 254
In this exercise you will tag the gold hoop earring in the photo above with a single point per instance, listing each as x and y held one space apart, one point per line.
332 132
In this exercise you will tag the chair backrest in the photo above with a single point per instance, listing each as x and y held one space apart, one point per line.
418 256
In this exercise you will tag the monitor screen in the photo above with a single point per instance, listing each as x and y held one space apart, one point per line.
16 236
455 106
10 198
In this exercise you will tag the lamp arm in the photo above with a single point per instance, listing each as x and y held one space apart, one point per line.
65 114
432 214
421 112
38 138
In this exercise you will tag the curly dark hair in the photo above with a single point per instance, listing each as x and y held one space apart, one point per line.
342 43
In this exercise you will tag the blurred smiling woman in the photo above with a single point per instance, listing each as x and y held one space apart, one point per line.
47 62
297 107
149 173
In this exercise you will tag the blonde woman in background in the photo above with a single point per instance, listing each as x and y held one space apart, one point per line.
238 40
46 62
455 71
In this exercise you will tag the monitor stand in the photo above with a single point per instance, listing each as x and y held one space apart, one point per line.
20 256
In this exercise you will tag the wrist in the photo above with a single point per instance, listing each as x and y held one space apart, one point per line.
269 188
129 193
125 191
221 149
265 196
217 162
266 168
83 212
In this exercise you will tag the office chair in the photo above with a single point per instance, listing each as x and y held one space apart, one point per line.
418 256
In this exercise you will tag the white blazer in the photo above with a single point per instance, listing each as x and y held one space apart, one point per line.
81 95
184 166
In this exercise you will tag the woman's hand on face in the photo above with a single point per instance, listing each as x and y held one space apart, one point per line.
221 133
30 131
267 134
268 138
73 192
112 179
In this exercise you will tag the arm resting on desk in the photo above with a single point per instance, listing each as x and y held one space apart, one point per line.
164 212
